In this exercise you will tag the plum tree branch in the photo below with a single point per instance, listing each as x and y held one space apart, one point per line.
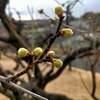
4 39
65 62
12 85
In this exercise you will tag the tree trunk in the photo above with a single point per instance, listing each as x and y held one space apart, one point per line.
2 6
15 39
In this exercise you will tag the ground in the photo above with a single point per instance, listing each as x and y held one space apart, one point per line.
68 83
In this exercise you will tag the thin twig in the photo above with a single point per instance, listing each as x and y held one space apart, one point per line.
64 25
84 83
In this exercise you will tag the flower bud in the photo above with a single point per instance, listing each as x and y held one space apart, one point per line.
59 10
66 32
58 63
40 11
51 53
37 51
22 52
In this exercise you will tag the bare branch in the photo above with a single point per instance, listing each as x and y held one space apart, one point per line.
67 26
2 72
65 62
11 29
20 89
50 71
84 83
18 13
57 1
7 93
4 39
30 12
2 6
96 59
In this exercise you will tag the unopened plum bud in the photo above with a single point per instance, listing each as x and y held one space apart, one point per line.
40 11
51 53
58 63
22 52
38 51
59 10
66 32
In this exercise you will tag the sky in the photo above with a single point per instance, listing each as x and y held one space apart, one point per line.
48 6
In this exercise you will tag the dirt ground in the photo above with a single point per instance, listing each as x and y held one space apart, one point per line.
68 83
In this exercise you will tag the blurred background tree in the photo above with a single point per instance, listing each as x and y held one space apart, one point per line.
84 44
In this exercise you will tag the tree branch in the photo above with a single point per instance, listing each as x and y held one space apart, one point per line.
50 71
51 96
4 39
21 90
6 93
2 6
11 30
65 62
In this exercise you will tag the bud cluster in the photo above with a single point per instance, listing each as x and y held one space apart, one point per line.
48 55
57 62
22 52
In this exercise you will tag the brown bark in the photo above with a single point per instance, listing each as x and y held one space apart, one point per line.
15 39
2 6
